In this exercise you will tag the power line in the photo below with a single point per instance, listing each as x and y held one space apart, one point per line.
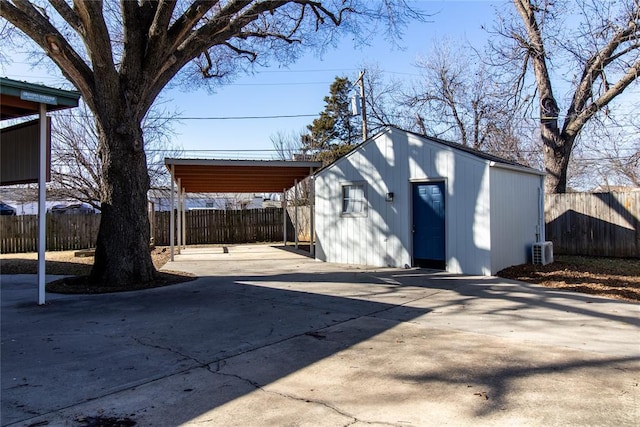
178 118
281 116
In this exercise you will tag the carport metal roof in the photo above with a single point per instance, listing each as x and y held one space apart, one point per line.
21 99
239 176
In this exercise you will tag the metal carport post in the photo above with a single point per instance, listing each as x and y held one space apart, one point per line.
20 99
234 176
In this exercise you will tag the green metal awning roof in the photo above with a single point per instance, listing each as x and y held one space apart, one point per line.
19 99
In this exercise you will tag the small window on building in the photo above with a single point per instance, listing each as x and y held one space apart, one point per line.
354 201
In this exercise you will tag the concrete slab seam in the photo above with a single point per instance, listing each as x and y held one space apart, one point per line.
305 400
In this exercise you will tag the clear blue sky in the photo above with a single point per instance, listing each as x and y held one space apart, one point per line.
301 87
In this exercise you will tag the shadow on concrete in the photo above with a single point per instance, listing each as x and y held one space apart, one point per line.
303 249
526 295
495 379
81 348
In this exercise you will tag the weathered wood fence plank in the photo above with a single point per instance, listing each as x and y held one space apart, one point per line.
70 232
599 224
64 232
209 226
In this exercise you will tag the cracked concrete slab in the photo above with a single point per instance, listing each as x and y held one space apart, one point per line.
269 337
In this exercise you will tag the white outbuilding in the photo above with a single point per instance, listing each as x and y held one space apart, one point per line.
401 199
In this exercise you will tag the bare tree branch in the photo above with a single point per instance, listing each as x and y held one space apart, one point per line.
68 14
605 44
36 26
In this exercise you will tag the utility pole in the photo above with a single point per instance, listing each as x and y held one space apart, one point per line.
364 105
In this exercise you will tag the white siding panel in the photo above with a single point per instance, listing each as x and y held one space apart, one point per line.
468 220
514 217
392 215
401 244
355 240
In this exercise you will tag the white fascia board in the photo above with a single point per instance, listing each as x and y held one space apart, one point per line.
522 169
231 162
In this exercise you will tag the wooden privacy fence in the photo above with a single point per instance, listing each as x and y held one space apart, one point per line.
208 226
71 232
599 224
64 232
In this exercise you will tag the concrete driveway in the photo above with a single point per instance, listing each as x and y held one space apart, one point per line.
267 336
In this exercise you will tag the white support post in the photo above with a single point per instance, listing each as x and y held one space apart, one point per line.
42 207
179 215
184 219
172 220
295 208
312 214
284 215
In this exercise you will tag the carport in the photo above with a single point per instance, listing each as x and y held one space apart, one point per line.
25 154
235 176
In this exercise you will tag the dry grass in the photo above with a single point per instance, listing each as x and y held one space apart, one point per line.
63 262
67 264
607 277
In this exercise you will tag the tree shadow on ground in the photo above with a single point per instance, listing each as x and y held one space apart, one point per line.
248 331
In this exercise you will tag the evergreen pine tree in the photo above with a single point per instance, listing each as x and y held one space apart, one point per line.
336 131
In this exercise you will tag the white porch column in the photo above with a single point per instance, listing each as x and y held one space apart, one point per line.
184 219
42 206
179 215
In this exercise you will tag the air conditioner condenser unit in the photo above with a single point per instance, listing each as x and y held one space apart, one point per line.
542 253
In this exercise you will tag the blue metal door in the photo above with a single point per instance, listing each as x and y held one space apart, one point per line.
429 225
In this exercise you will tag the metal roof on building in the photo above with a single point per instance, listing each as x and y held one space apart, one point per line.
21 99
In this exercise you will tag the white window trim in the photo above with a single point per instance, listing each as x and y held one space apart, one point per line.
365 202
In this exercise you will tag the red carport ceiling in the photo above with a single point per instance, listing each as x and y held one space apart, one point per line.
239 176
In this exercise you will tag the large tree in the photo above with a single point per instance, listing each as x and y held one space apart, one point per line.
76 162
121 56
595 43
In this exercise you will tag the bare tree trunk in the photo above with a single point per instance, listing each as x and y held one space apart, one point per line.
122 253
557 152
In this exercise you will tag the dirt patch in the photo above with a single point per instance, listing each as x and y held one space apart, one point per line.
607 277
102 421
67 264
